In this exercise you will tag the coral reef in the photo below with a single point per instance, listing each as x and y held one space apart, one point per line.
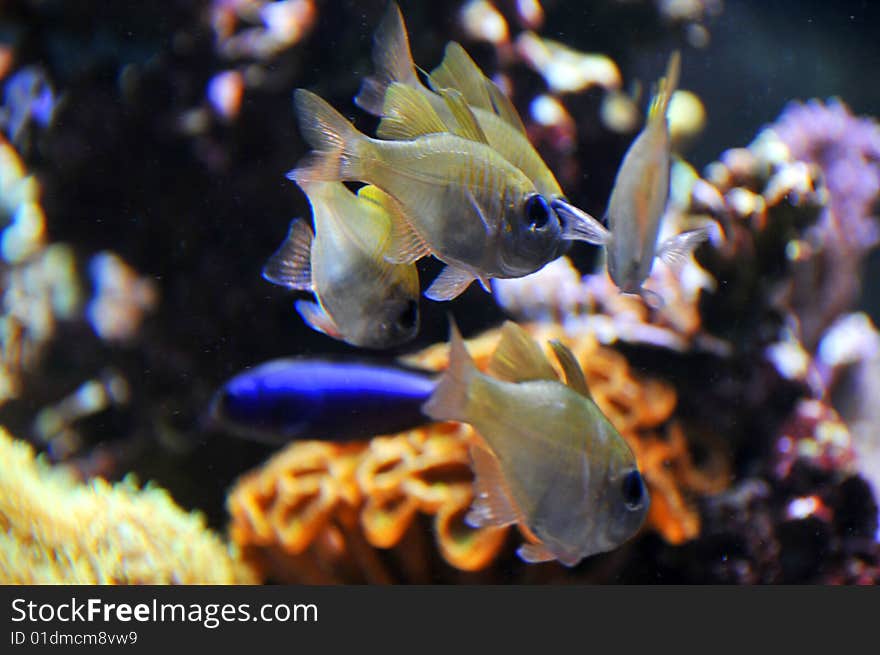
810 520
316 509
38 282
828 270
56 530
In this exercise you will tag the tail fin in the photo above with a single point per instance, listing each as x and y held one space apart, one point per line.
337 143
449 400
665 88
392 59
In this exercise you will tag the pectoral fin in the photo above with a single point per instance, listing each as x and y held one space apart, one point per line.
451 283
406 245
317 319
492 504
290 265
574 374
675 250
517 358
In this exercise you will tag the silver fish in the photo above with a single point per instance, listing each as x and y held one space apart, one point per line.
362 298
462 201
550 460
496 116
638 201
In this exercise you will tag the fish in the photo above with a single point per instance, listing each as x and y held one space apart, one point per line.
547 458
638 201
362 298
319 398
495 114
462 201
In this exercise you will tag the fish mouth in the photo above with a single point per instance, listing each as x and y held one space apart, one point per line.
578 225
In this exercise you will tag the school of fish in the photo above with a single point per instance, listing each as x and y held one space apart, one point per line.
452 174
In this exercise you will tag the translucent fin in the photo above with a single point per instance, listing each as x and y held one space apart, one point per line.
459 72
406 245
578 225
477 208
675 250
392 60
317 319
449 400
517 358
574 374
535 553
486 283
337 142
665 88
450 284
467 126
374 194
290 265
492 504
408 114
504 107
652 299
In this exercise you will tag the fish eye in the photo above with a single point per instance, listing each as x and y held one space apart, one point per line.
633 489
537 211
409 315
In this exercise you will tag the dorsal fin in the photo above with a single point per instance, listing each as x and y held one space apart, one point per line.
466 123
665 88
517 358
290 265
458 71
504 107
407 114
492 504
392 60
574 374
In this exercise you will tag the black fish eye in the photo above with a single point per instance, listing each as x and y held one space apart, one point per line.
537 211
633 489
409 314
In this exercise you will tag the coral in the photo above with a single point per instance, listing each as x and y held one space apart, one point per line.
55 530
809 520
846 149
121 300
259 29
38 282
317 508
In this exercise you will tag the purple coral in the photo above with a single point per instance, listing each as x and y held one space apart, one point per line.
847 150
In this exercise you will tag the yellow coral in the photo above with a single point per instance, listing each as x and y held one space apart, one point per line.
316 508
55 530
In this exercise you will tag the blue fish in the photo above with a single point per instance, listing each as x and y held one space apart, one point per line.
307 398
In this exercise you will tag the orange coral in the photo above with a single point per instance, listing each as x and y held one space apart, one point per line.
317 512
